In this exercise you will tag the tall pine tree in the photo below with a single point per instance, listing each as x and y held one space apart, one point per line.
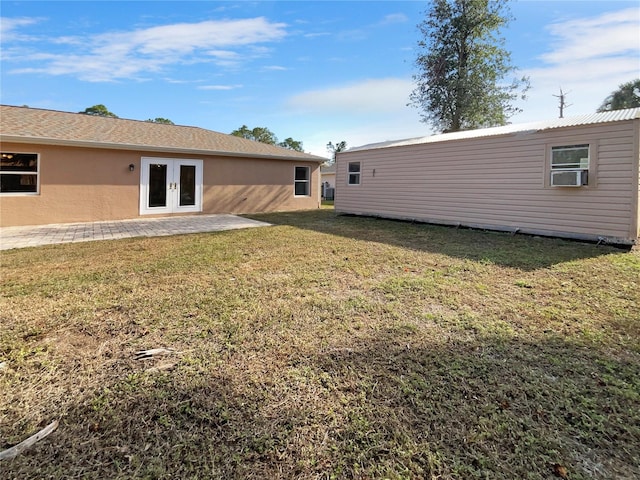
462 64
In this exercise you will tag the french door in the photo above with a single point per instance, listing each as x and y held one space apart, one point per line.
170 185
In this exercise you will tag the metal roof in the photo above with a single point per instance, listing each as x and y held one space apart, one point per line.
589 119
34 125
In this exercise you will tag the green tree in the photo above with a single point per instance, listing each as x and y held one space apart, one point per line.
337 148
99 111
257 134
166 121
264 135
626 96
461 66
291 144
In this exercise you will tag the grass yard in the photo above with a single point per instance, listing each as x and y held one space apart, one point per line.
323 347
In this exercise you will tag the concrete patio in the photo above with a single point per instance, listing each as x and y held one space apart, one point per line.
32 236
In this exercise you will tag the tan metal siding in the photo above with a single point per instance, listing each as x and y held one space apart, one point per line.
500 182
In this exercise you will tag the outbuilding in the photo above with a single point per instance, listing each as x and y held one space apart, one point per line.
570 177
60 167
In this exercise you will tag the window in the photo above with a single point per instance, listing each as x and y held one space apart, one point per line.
18 172
354 173
302 182
570 166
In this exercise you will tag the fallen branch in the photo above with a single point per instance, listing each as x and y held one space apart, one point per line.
19 448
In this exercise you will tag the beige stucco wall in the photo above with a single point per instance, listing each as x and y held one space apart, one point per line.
502 183
87 184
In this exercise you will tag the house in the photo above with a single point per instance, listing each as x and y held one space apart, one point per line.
59 167
573 177
328 179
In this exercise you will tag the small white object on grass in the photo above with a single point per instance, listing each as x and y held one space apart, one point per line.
154 352
19 448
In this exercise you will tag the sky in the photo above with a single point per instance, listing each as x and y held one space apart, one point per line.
315 71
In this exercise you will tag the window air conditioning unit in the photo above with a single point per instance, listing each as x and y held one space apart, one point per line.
568 178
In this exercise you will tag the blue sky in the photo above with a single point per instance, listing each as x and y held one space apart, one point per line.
316 71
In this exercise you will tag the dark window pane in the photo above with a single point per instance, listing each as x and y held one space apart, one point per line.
157 185
302 173
354 167
17 183
187 185
302 188
18 162
354 179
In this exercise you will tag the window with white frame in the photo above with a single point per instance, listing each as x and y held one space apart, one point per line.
570 165
302 182
354 173
18 172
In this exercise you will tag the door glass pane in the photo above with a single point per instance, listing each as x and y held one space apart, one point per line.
157 185
187 185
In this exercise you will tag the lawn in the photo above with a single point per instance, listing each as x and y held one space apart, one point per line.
322 347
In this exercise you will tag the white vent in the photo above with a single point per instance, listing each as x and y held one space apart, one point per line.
567 178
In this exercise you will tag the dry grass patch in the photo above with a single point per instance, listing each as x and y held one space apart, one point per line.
323 347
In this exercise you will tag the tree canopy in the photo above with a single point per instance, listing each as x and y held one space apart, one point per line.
626 96
257 134
264 135
166 121
291 144
337 148
99 111
462 65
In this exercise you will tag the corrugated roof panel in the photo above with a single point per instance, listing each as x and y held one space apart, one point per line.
593 118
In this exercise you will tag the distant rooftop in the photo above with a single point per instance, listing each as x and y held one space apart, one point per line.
593 118
328 168
34 125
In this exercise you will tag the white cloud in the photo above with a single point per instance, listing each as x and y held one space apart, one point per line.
368 96
588 59
131 55
317 34
610 34
186 37
275 68
394 18
9 25
219 87
369 111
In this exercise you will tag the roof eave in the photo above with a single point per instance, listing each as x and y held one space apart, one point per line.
150 148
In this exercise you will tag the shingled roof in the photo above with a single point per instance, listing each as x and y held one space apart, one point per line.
34 125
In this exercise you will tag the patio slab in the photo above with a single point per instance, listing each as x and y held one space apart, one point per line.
32 236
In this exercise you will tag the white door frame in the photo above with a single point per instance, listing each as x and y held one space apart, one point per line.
172 203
